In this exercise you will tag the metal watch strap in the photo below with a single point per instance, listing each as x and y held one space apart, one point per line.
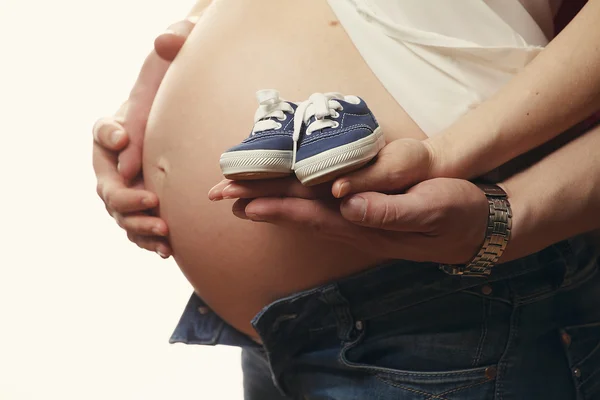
496 237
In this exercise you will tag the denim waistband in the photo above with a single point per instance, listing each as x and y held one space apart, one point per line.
380 290
289 324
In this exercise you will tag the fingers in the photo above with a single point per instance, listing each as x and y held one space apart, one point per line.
168 44
141 224
312 215
150 243
285 187
239 208
398 165
407 212
109 134
147 232
123 199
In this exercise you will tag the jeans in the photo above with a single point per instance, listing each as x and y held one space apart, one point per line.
406 330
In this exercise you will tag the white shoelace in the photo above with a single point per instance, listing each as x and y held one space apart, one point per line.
271 106
322 106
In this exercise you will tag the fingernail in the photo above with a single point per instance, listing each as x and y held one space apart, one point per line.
212 194
119 167
157 231
355 209
147 202
343 190
256 218
116 136
193 19
163 255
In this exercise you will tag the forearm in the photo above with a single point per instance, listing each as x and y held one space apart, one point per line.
558 89
557 198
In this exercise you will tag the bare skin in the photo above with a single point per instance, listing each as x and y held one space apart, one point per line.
204 107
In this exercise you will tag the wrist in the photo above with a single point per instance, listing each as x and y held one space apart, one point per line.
523 214
440 159
497 235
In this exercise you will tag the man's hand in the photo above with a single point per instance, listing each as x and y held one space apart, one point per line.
117 149
399 165
439 220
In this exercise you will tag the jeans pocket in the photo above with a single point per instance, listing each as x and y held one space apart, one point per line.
458 384
582 343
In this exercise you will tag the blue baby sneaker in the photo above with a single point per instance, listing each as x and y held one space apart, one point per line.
268 151
334 134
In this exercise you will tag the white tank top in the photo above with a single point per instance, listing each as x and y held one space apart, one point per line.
440 58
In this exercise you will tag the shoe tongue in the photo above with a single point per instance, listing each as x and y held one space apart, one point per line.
335 95
268 97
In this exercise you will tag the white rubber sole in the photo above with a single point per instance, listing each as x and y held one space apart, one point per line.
330 164
256 164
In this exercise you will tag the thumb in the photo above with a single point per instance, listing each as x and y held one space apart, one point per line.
134 122
404 212
168 44
130 161
398 165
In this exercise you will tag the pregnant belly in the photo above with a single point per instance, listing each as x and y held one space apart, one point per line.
206 104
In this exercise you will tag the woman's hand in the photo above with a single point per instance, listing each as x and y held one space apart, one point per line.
126 201
439 220
117 149
142 95
399 165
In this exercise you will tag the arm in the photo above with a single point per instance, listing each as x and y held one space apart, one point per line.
558 89
557 198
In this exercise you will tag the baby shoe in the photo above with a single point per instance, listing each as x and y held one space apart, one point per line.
268 151
334 134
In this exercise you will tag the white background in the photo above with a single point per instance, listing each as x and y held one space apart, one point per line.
84 314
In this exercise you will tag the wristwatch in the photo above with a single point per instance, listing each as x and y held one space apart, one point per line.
496 239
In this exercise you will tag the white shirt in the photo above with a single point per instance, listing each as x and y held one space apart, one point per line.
440 58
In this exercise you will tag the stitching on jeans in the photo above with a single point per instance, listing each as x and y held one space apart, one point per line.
321 328
381 370
496 299
439 396
590 354
529 300
377 371
589 377
431 395
536 293
580 281
466 387
479 351
502 365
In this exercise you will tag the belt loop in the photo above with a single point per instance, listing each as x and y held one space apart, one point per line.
341 309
